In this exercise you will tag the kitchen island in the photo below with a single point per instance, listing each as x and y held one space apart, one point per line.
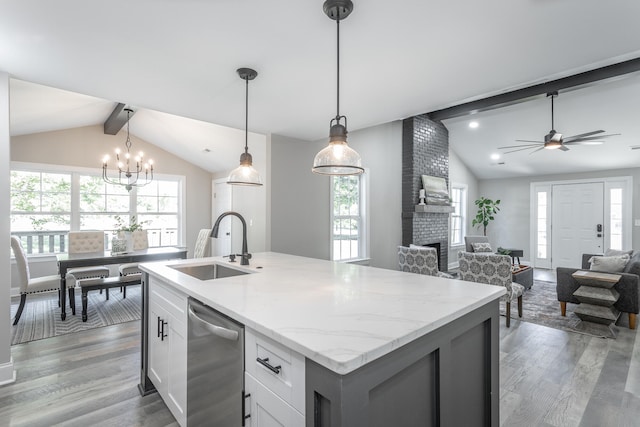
368 346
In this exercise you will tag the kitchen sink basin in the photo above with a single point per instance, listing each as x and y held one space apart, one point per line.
208 271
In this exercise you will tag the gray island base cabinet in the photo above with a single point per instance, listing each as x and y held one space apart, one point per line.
449 377
427 355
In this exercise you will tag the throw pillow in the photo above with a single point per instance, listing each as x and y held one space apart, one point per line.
609 264
615 252
481 247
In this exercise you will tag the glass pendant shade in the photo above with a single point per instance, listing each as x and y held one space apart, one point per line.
337 158
245 174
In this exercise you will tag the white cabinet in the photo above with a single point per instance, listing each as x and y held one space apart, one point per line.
274 379
167 345
266 409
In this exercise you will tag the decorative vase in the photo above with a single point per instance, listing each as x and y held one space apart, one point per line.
128 237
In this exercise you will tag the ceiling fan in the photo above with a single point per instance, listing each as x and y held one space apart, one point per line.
554 140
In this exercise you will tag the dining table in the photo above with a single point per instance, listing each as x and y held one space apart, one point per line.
67 261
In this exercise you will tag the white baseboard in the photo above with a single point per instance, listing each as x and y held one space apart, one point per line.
7 373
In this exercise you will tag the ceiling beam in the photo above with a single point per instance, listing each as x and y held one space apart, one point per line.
117 119
521 95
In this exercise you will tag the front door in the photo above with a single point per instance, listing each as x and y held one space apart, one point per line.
577 221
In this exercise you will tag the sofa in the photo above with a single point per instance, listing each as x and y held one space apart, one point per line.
627 287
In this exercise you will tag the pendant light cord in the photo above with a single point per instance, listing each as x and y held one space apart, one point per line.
338 67
246 117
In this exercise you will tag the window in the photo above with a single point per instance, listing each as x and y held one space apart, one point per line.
458 217
47 204
542 224
158 209
347 218
615 221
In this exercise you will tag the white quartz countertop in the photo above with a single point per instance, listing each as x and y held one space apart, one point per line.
339 315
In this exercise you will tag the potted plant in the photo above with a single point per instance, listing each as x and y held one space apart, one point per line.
125 232
487 208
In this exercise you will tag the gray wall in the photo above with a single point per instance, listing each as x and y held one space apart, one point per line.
86 146
511 226
300 198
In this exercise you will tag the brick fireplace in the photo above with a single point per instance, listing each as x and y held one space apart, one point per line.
425 151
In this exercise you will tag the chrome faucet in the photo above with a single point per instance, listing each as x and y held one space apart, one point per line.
245 256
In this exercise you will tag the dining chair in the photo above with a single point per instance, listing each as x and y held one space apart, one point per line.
421 260
140 242
85 242
203 243
30 285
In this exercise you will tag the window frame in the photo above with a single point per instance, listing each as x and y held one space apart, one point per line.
76 171
464 190
362 218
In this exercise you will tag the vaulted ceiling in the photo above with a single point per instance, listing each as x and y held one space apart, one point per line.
398 59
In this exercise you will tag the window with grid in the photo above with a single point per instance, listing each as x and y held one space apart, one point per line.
46 204
458 216
347 237
40 205
158 209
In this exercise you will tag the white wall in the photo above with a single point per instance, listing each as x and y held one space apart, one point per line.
459 173
7 373
300 199
85 147
511 226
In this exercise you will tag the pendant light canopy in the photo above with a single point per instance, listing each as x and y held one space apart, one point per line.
337 158
245 174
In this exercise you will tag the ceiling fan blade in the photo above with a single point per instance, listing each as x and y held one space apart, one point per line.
595 132
592 138
537 149
519 146
583 142
635 147
519 149
528 140
563 148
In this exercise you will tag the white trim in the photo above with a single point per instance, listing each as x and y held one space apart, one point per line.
7 373
608 182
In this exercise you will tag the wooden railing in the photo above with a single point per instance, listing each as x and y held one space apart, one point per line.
52 242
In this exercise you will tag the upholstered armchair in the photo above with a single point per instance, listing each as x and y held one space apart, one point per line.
421 260
491 269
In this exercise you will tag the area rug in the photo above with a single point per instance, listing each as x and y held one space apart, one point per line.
41 315
540 305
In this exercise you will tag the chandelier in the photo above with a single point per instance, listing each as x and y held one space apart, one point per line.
129 169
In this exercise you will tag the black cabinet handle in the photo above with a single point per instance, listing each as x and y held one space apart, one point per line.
244 397
163 335
265 362
159 327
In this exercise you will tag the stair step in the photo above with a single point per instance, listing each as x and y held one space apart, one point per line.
596 296
597 313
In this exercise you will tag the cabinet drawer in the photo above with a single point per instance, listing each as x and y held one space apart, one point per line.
264 408
286 379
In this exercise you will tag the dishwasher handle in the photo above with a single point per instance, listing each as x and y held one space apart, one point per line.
219 331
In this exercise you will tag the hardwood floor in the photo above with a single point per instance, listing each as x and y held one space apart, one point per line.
548 377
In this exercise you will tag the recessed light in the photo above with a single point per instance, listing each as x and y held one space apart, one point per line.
495 156
206 150
473 125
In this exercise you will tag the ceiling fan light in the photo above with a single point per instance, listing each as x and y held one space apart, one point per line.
552 145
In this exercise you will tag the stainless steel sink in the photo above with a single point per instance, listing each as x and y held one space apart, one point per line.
208 271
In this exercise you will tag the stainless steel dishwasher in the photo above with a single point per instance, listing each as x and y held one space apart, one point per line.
215 368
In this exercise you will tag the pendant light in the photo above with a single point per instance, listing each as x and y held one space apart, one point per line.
337 158
128 174
245 174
